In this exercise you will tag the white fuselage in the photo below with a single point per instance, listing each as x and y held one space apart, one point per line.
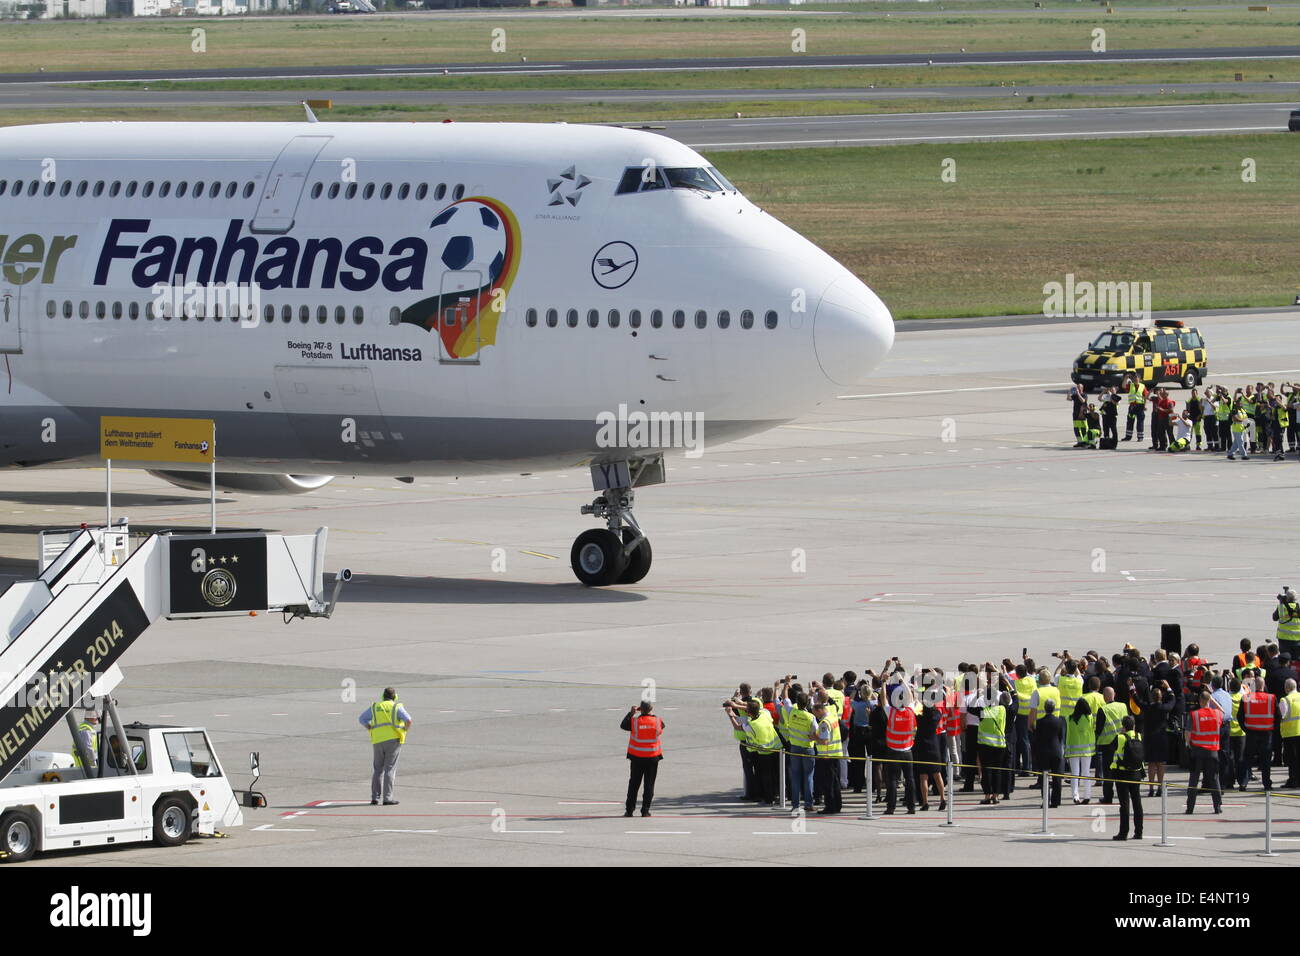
429 298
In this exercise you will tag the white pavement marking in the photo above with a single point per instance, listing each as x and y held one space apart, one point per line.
659 832
587 803
783 833
271 826
910 832
403 831
532 831
466 803
853 140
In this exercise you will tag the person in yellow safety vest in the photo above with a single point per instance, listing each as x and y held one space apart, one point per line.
1287 615
1042 694
1110 722
1080 748
1238 426
1129 772
388 723
1022 758
1070 684
88 734
1289 708
800 729
1281 421
754 728
828 751
1137 409
835 692
992 740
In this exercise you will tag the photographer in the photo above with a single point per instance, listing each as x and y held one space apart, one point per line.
644 751
800 728
753 726
1287 615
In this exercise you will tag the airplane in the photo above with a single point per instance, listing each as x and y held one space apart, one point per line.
404 299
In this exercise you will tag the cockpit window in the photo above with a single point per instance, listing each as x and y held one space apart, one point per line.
640 179
726 183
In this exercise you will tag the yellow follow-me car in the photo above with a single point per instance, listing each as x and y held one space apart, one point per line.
1156 352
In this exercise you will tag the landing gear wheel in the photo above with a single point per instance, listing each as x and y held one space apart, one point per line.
597 557
1191 379
638 562
171 822
17 836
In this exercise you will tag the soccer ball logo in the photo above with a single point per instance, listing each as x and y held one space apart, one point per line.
474 254
470 237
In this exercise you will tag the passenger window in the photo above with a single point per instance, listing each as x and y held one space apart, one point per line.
770 319
358 315
334 191
248 190
724 319
679 319
133 310
117 310
747 319
113 190
66 187
459 191
593 318
51 309
230 190
369 191
351 191
286 313
322 314
304 313
552 318
613 318
701 319
100 310
530 318
130 188
165 188
571 317
146 192
440 191
67 309
340 314
404 190
81 188
3 185
268 314
386 191
31 190
317 190
422 190
634 318
180 189
656 319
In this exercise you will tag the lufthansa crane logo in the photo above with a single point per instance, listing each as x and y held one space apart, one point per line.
614 264
218 587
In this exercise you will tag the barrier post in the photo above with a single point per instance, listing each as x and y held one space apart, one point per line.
782 773
871 793
952 797
1268 824
1046 791
1164 815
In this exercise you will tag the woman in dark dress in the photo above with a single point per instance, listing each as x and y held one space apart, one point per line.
877 747
927 756
1155 717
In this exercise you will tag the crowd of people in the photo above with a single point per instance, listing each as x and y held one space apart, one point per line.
1093 722
1251 420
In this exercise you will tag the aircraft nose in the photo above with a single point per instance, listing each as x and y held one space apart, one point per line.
852 331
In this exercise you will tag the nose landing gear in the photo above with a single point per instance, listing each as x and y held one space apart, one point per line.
620 552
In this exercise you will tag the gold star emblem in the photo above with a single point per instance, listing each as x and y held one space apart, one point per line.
212 560
223 559
234 559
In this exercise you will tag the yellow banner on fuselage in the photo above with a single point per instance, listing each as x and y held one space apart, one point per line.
189 440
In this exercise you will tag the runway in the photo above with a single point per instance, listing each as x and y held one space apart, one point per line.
571 67
63 96
935 512
977 125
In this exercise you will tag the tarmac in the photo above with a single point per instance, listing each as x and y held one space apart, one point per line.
935 512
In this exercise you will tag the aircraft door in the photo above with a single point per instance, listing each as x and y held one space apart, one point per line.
459 335
285 184
335 413
11 310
